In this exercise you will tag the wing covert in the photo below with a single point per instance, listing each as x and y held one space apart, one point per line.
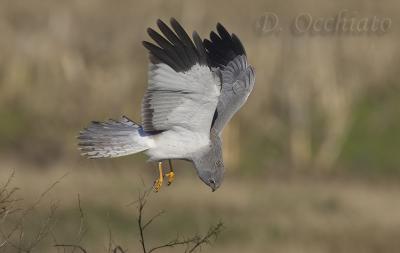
182 90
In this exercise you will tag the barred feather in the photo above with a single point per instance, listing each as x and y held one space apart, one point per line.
112 139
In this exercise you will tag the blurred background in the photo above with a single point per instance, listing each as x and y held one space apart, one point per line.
313 160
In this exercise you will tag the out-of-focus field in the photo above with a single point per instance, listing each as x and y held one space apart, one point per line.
312 159
270 215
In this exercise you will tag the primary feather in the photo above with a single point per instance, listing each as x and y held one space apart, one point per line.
228 56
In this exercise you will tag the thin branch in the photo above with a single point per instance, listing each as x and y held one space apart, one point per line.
141 204
118 249
72 246
153 218
44 230
5 186
110 238
7 200
44 193
82 230
54 238
191 243
212 232
82 219
175 242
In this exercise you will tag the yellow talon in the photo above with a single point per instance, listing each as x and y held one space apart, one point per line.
171 177
170 174
158 183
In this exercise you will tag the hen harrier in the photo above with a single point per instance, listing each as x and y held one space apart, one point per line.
194 89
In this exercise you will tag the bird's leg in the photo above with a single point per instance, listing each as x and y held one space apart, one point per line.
158 183
170 174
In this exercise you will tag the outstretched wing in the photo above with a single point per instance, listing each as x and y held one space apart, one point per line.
227 54
182 90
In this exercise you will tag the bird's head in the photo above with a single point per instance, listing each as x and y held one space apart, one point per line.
211 173
209 164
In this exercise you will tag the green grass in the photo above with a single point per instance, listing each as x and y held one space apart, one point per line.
373 144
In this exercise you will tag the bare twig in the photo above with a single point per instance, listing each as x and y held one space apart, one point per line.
110 239
45 228
19 240
7 200
54 238
153 218
142 199
44 193
82 229
175 242
7 183
72 246
191 243
7 207
118 249
212 232
19 227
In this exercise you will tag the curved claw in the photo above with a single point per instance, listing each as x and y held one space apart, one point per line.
171 177
158 183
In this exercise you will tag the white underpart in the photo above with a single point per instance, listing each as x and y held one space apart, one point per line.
177 143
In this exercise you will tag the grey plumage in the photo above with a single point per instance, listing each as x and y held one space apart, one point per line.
228 56
111 138
238 79
195 87
209 163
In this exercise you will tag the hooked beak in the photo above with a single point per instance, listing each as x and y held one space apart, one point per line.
213 185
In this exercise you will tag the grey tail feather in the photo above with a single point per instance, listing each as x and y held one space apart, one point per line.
112 138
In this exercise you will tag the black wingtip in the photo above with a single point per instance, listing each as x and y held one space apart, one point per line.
221 28
146 44
175 48
223 47
150 31
214 37
173 20
159 21
223 33
239 45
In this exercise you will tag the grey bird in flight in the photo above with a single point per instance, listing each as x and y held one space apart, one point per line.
195 86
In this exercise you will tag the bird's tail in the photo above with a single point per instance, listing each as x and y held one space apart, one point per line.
112 139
